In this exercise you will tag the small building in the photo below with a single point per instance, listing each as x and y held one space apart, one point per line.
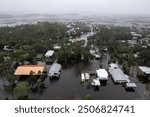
49 53
144 71
55 70
117 74
102 74
87 76
95 82
130 86
29 70
82 77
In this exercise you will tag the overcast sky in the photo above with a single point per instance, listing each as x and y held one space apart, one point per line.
76 6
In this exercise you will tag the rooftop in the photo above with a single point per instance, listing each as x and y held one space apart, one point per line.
145 69
102 73
131 85
113 65
49 53
118 75
28 69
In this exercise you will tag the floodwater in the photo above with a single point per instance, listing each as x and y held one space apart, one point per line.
69 86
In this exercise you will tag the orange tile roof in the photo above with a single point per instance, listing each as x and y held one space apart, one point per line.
27 69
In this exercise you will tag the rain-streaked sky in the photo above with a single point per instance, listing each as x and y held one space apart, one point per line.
141 7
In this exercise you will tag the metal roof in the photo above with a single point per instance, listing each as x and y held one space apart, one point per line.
102 74
113 65
131 85
145 69
55 68
118 75
49 53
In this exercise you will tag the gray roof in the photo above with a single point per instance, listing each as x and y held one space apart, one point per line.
131 85
118 75
113 65
55 68
49 53
145 69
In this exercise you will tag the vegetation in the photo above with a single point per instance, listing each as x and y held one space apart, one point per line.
88 97
25 42
22 90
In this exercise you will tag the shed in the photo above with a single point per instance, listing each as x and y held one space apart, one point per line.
102 74
130 85
82 77
49 53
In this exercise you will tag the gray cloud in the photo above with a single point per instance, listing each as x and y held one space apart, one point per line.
76 6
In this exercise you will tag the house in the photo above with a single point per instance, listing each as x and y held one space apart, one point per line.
102 74
144 71
29 70
117 75
55 70
49 53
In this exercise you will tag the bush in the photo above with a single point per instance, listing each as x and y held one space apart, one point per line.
88 97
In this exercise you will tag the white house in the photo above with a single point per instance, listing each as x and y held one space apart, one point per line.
55 70
102 74
117 74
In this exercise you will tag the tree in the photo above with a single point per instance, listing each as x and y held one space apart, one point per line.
21 90
126 68
2 70
88 97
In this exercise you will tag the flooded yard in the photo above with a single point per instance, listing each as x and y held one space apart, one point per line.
69 86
